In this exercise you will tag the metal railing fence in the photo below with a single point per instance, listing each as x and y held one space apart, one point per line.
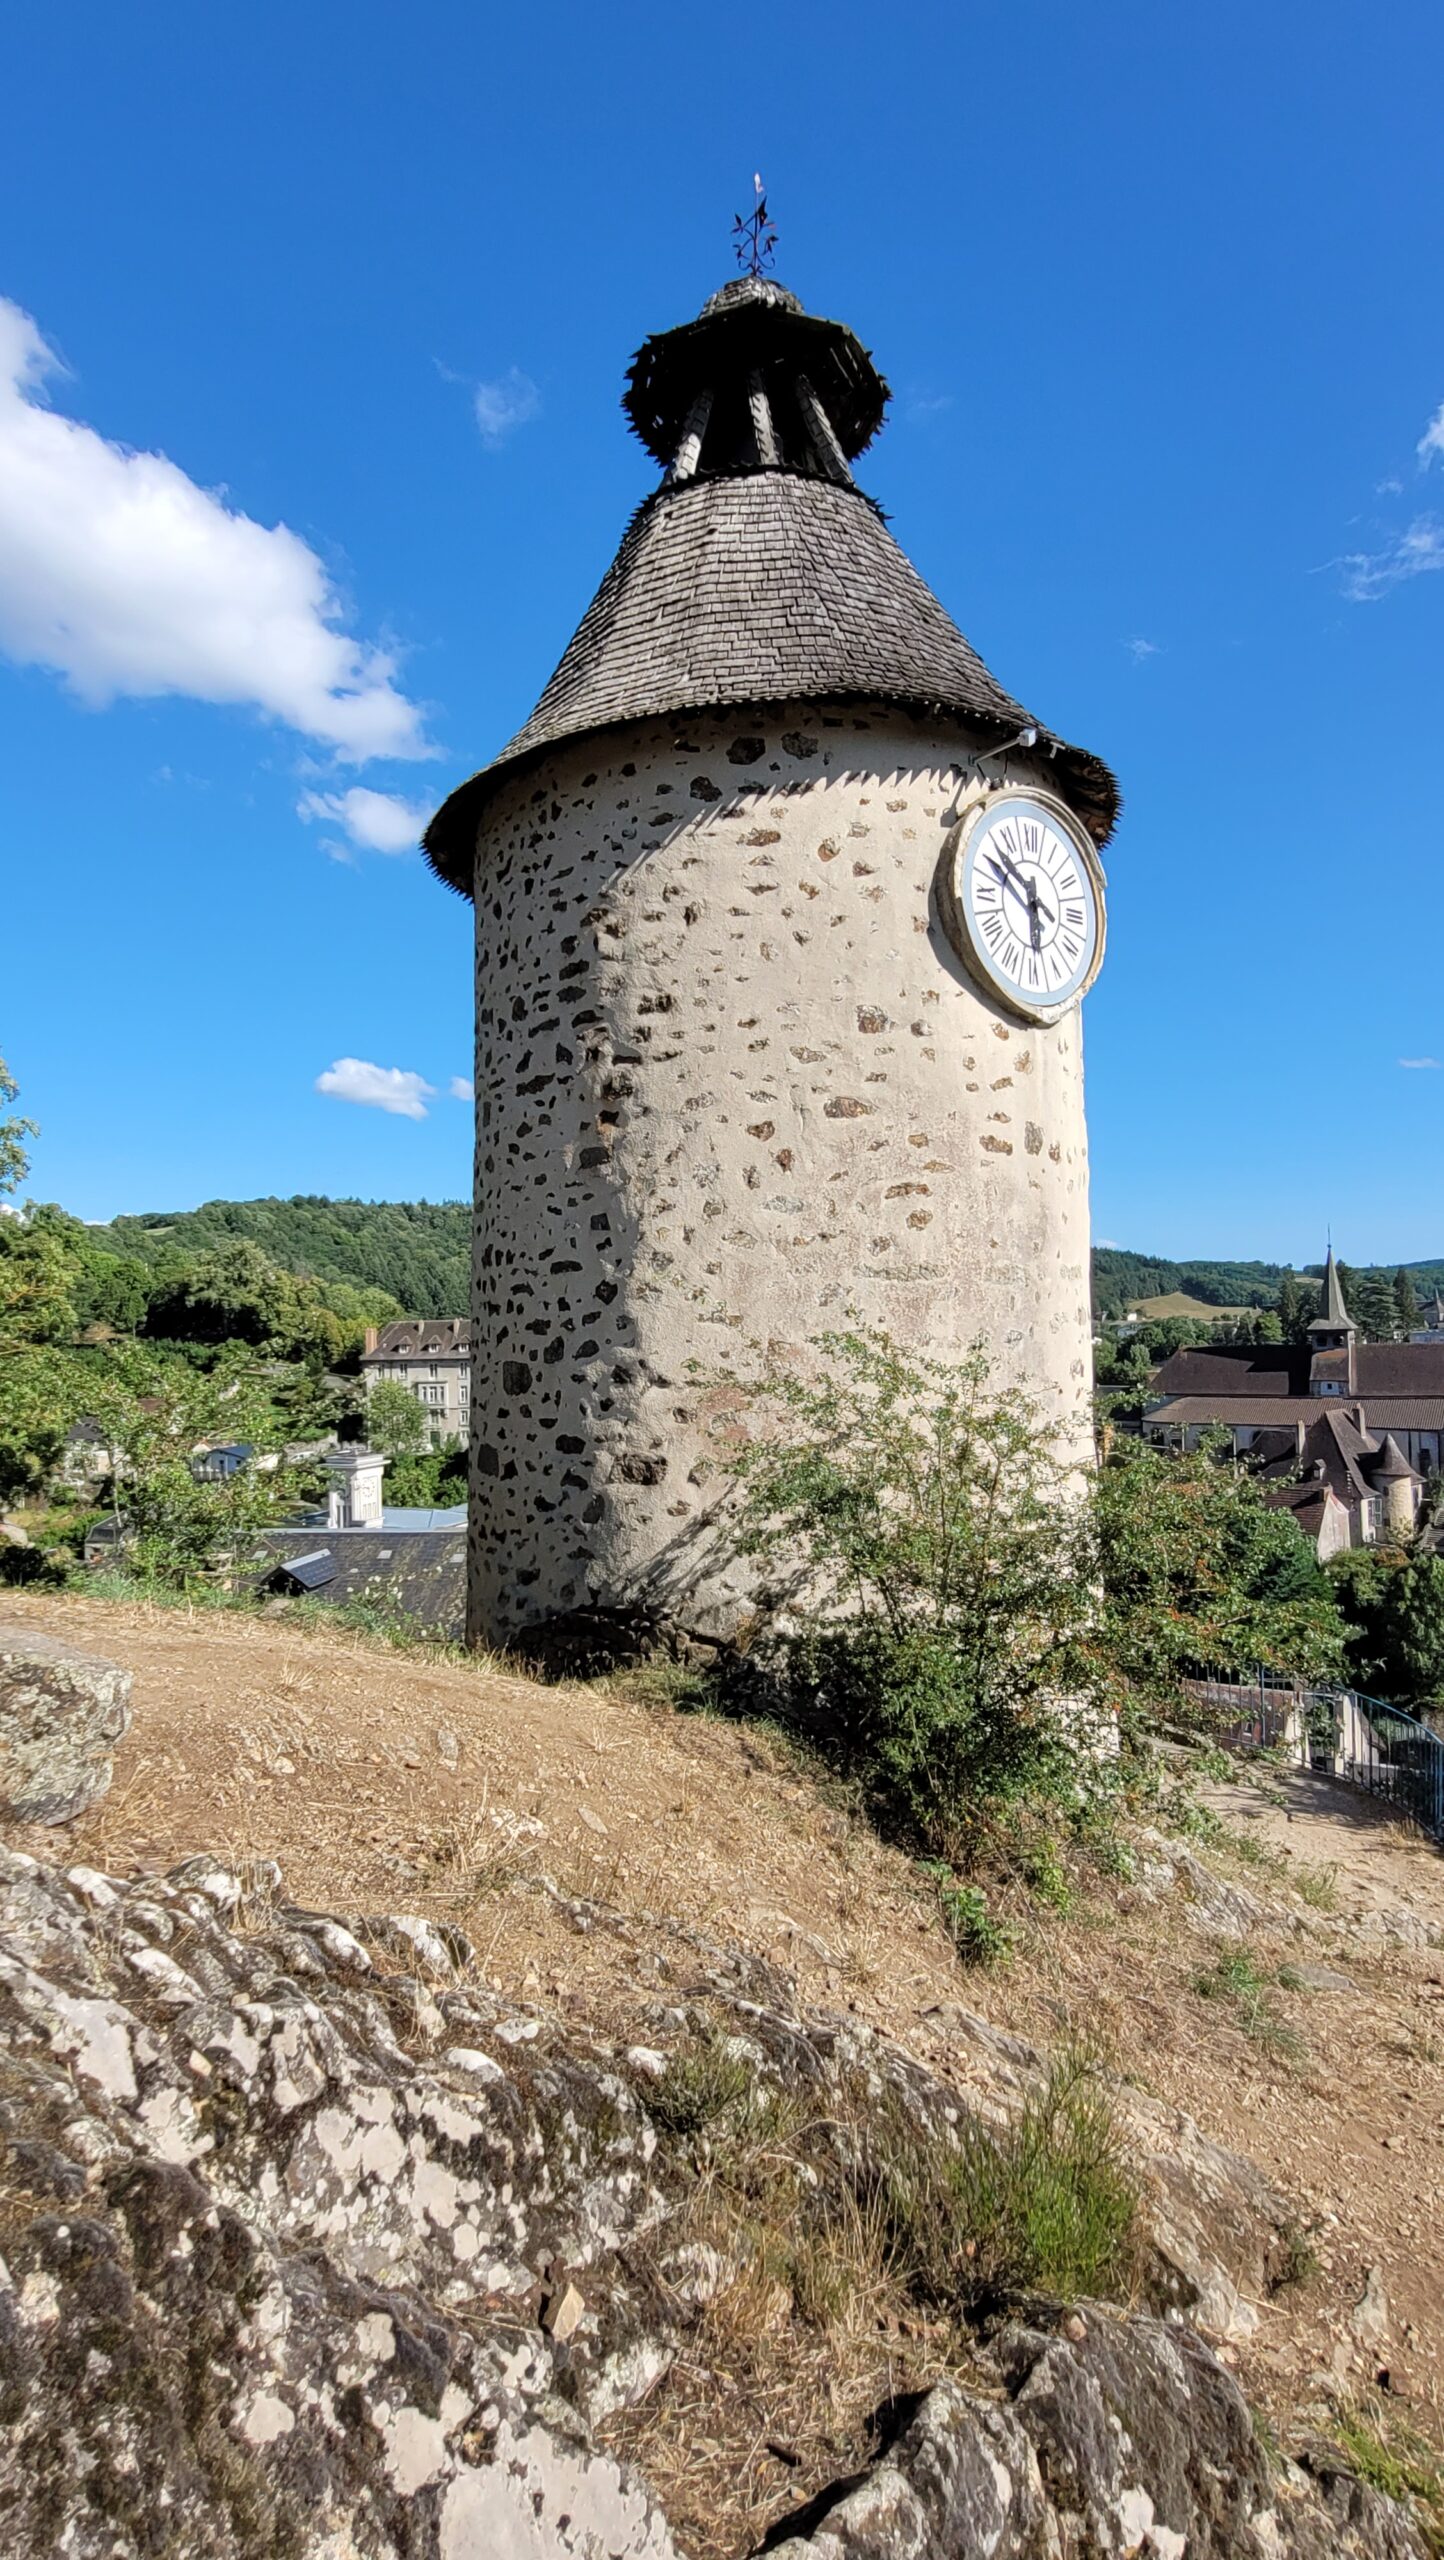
1343 1733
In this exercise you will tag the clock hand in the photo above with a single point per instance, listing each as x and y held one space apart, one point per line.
1012 878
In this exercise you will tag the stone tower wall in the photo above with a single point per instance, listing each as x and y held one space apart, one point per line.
732 1081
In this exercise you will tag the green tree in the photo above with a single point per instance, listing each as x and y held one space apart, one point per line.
434 1481
1406 1304
1199 1574
154 1408
1393 1607
14 1161
37 1282
395 1421
1372 1305
43 1390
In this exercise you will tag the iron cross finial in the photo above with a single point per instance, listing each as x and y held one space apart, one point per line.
754 241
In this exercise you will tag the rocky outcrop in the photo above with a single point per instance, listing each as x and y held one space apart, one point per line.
62 1713
315 2248
1118 2437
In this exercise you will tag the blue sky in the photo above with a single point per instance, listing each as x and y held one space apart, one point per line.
1157 293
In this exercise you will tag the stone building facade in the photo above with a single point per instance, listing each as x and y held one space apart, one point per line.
431 1357
733 1078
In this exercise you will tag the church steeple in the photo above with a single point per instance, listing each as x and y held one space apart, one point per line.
1332 1336
1333 1316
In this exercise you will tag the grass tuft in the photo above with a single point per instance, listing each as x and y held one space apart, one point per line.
702 2083
1046 2202
1238 1979
1384 2452
1318 1886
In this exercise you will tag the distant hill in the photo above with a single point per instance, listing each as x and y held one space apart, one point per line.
1121 1278
419 1250
1176 1302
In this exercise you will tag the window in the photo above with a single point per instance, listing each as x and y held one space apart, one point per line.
431 1395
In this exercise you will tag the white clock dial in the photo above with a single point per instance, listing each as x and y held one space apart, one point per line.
1026 891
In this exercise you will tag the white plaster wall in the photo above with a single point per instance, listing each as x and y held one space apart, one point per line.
732 1081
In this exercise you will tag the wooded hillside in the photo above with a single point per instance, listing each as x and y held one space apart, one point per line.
417 1250
1120 1276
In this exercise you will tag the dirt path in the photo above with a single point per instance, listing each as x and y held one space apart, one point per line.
377 1780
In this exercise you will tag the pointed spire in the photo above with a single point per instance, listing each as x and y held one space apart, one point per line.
1333 1315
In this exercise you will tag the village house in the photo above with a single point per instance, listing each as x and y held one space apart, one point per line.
359 1547
431 1355
1345 1432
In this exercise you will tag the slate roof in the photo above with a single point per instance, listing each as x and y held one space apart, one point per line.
749 584
413 1337
1384 1413
1408 1369
423 1574
1309 1504
1393 1466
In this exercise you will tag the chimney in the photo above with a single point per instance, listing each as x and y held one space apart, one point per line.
373 1336
354 1498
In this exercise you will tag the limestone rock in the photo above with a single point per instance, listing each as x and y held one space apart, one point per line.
1131 2439
309 2256
62 1712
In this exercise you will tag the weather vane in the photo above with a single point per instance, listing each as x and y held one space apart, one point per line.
753 239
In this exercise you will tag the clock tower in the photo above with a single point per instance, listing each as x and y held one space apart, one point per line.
785 910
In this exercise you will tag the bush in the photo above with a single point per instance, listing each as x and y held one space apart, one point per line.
1237 1979
978 1936
930 1544
30 1569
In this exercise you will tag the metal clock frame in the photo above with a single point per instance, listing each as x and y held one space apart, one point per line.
953 911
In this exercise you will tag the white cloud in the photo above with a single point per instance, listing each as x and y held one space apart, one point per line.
122 575
1138 650
396 1089
1421 1062
461 1089
1430 447
376 820
508 402
1368 574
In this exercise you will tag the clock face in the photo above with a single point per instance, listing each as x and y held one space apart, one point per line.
1027 896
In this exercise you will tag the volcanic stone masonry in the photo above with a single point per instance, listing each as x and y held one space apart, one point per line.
733 1078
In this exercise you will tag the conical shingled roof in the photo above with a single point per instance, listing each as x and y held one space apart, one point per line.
1333 1315
757 573
1393 1467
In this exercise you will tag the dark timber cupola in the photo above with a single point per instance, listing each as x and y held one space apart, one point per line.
783 907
